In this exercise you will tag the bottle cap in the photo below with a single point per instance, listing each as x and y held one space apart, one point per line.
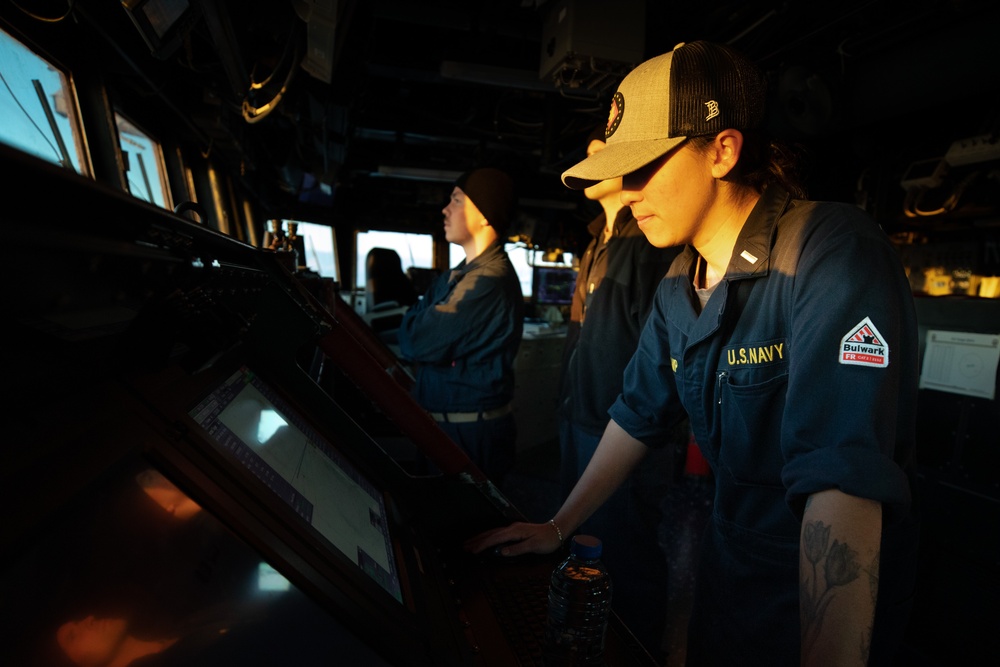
586 546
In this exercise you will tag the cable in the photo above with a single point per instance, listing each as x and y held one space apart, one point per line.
46 19
253 114
284 57
915 195
912 201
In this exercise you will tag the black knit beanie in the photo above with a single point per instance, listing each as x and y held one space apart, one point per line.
492 191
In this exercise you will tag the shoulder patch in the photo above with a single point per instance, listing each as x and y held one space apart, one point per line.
863 346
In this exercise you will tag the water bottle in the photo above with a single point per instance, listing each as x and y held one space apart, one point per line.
579 606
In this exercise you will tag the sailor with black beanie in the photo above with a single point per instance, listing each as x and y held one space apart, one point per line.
492 192
463 334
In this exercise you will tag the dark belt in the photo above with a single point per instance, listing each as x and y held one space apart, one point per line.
466 417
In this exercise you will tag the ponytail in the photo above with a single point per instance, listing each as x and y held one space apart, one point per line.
766 161
771 161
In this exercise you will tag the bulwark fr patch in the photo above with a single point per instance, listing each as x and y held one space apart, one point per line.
863 346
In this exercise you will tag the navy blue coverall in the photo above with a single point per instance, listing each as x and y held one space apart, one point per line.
463 336
798 375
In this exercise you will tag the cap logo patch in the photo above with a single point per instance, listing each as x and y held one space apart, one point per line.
615 115
713 109
863 346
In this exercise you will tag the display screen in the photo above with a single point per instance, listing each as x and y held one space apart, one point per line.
554 285
246 418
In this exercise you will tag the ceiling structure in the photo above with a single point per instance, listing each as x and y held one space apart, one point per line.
365 110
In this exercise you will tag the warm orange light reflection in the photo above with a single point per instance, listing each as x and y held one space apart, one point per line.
166 495
104 642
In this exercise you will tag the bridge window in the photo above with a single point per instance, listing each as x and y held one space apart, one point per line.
416 250
144 168
38 108
320 248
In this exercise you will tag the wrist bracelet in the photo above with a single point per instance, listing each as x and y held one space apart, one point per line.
558 532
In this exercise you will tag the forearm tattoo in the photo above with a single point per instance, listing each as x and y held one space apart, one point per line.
830 566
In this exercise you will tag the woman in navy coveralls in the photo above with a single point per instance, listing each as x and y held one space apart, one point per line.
786 330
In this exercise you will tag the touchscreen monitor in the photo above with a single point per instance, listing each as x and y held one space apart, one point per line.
246 417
